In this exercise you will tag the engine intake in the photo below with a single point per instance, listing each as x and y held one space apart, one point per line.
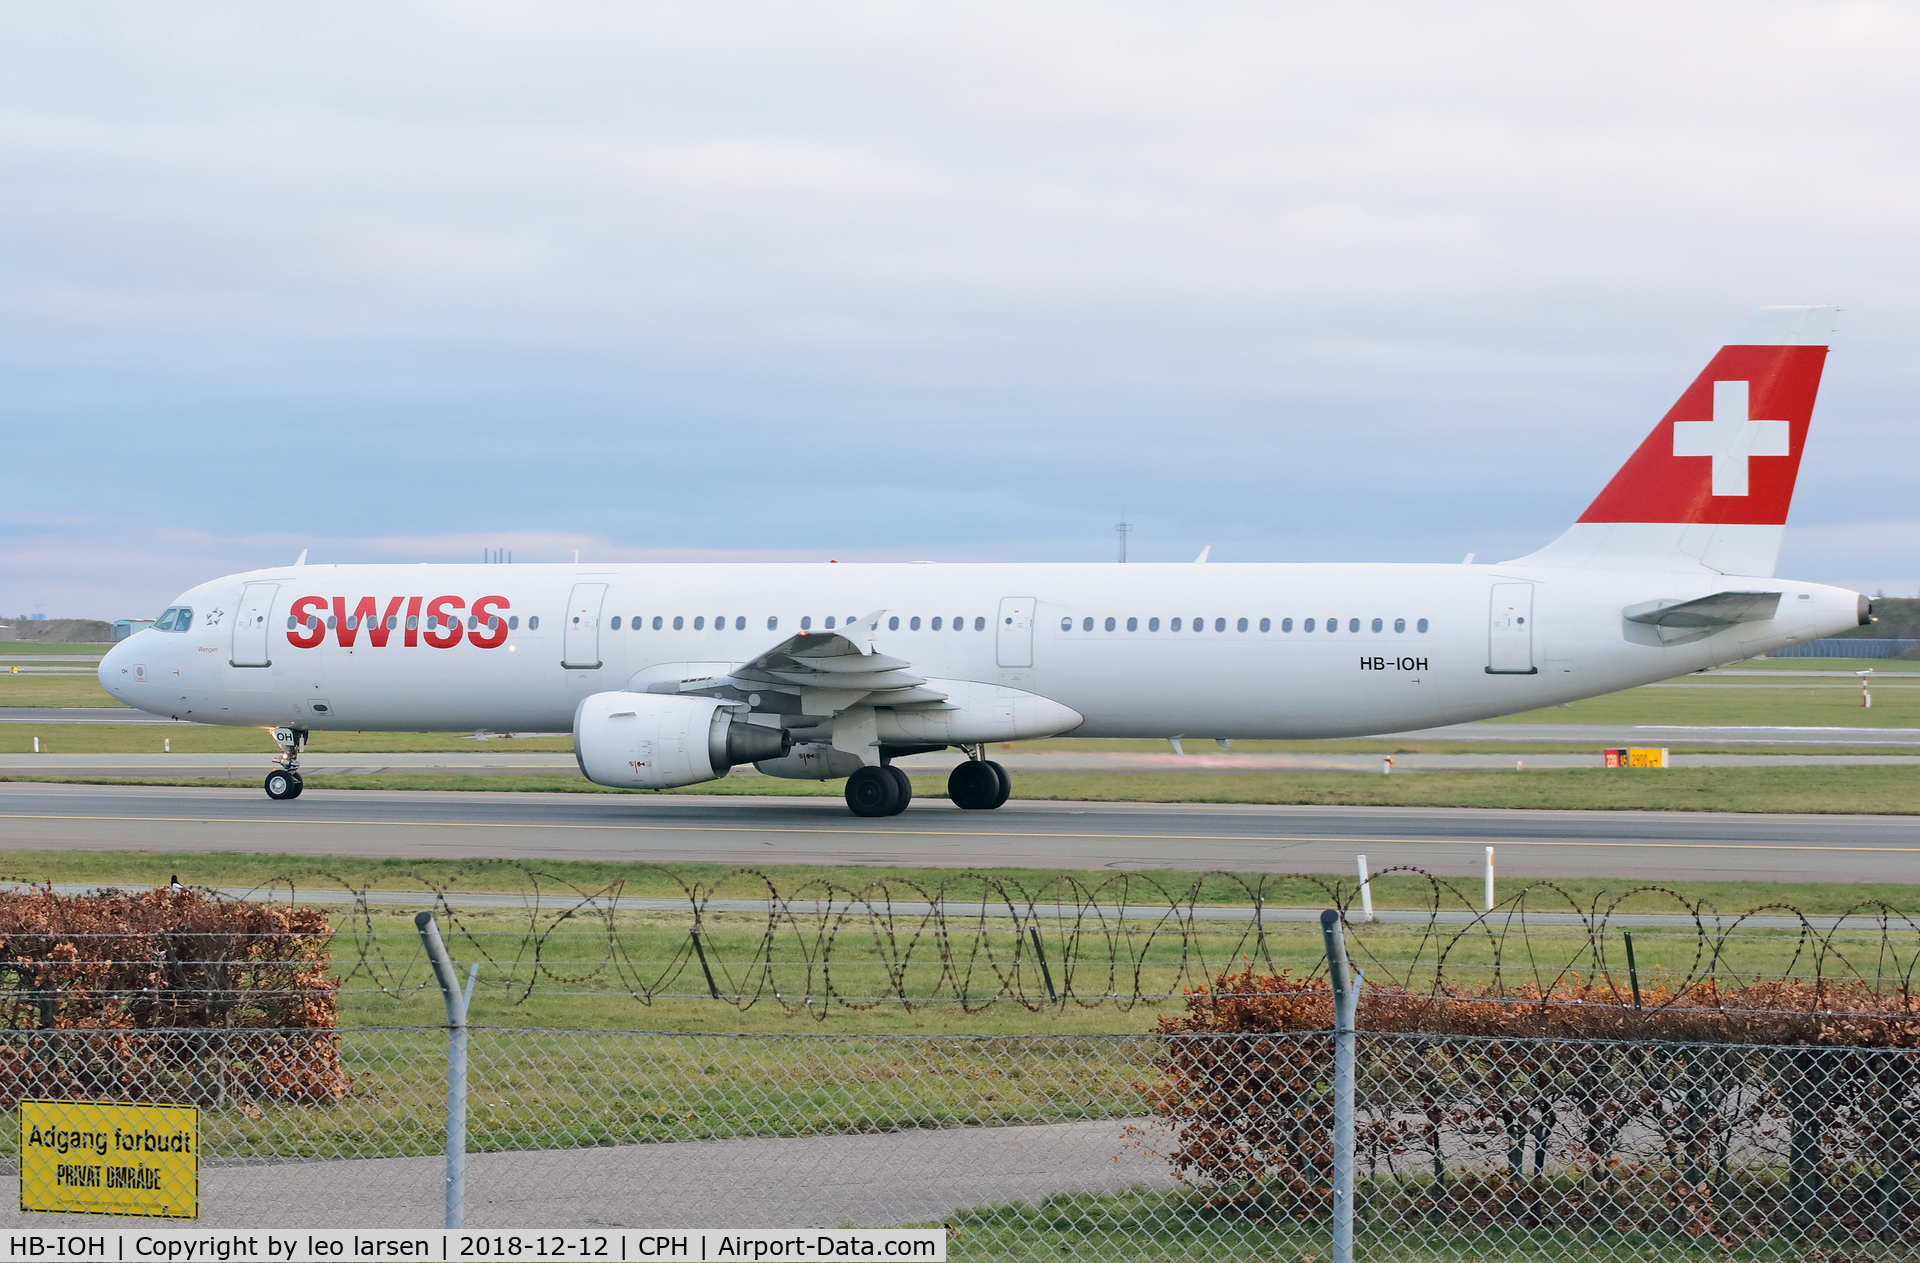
653 741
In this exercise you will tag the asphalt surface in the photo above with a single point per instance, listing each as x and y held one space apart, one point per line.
1645 846
802 1181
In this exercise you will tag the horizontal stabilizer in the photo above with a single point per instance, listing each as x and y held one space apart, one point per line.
1722 609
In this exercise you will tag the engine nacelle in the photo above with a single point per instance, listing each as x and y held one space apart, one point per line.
654 741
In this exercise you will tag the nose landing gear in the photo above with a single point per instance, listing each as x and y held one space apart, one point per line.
284 783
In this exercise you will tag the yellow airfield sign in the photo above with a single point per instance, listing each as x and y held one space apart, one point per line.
96 1157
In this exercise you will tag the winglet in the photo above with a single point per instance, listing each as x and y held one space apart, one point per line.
1203 554
301 560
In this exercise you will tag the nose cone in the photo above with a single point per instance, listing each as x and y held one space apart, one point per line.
116 670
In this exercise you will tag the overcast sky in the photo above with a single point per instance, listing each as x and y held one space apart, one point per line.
1302 282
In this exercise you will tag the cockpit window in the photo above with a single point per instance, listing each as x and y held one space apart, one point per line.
176 619
165 621
183 621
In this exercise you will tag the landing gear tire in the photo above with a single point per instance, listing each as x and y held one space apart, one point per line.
872 791
978 785
906 788
283 785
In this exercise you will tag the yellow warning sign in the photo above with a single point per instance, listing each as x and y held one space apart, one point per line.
108 1159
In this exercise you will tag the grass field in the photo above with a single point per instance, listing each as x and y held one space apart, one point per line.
1846 789
53 690
27 648
1726 703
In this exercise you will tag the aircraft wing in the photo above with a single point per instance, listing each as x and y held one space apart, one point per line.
828 671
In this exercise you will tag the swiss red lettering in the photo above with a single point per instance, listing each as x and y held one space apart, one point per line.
307 630
449 633
490 632
365 617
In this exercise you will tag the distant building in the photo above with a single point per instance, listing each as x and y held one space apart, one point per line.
36 618
125 627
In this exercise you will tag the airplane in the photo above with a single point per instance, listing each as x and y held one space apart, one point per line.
670 675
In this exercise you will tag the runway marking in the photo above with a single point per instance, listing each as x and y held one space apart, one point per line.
974 833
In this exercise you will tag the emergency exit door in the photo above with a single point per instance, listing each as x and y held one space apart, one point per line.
1510 630
583 626
1015 644
251 624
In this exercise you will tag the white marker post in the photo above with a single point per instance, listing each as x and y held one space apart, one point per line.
1489 879
1366 891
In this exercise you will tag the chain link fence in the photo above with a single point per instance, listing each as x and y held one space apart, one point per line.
1097 1147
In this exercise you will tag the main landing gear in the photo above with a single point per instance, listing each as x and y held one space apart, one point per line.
284 783
978 784
878 791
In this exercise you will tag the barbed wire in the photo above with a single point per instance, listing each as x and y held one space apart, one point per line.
1060 942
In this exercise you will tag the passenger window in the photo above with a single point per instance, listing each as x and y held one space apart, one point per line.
1266 624
829 622
1353 624
1066 624
678 622
1086 624
1377 624
1333 624
1109 624
1286 625
615 624
960 624
980 624
473 622
1199 624
1153 624
393 621
656 622
893 624
699 622
1421 626
330 622
513 623
413 622
1219 624
290 623
1174 625
1399 624
773 622
913 624
806 622
720 624
1306 626
1133 624
533 622
1241 625
935 624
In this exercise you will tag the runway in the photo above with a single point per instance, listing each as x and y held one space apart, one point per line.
1640 846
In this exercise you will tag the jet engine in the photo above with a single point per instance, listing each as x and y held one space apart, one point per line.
655 741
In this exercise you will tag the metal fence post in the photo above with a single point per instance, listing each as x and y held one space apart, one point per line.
456 1068
1344 1008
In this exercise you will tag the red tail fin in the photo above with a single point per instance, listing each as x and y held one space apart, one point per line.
1725 456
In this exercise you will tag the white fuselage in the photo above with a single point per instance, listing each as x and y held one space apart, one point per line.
1150 681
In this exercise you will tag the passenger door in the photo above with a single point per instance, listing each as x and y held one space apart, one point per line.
1510 630
1015 646
251 625
583 626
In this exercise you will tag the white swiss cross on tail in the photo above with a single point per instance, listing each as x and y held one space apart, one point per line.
1731 438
